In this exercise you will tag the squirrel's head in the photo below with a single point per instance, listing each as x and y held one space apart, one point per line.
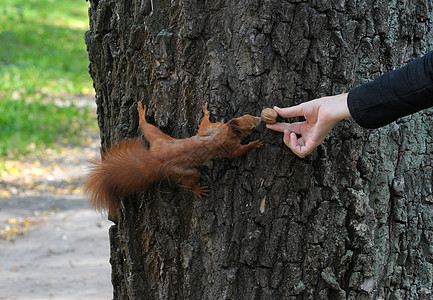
243 126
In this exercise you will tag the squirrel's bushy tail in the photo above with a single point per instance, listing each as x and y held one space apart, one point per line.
126 168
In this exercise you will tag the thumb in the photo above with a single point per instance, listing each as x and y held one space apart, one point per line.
288 112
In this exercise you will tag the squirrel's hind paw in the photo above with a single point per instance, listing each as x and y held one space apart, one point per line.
201 191
198 190
141 111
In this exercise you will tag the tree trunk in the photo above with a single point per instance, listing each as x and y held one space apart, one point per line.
353 220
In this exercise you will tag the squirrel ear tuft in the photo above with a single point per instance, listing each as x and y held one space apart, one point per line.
234 125
233 122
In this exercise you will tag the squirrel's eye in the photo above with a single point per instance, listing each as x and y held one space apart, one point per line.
237 131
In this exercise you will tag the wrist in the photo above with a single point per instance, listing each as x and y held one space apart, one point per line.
338 107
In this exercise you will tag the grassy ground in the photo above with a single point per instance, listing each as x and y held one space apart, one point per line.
43 73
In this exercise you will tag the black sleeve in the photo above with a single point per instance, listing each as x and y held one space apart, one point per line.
393 95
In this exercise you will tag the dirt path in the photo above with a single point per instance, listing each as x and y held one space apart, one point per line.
52 245
65 255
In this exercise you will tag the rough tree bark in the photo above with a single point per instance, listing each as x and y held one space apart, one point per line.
354 220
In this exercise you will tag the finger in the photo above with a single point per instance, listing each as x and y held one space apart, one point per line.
298 146
296 127
291 141
288 112
286 138
278 126
293 127
301 141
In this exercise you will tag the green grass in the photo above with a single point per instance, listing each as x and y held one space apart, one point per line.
28 127
42 58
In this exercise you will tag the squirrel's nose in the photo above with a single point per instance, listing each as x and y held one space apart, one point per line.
257 121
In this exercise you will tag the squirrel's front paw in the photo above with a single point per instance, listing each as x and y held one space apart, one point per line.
256 144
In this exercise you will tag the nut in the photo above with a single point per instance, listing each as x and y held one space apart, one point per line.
269 116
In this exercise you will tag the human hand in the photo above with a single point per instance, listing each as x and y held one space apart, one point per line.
320 115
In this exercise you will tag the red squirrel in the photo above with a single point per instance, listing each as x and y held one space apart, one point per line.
132 167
